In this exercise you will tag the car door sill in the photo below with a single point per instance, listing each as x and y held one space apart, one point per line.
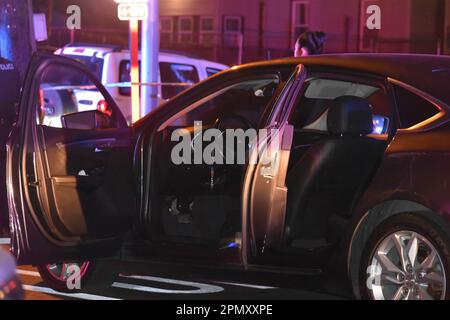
285 270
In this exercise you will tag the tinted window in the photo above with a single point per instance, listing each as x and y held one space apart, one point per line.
173 73
125 76
95 65
246 100
311 111
66 90
212 71
412 109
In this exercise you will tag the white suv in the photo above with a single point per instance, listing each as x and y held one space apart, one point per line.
111 64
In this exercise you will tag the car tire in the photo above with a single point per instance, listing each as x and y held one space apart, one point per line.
94 277
416 280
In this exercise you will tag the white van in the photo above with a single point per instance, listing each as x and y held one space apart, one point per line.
112 66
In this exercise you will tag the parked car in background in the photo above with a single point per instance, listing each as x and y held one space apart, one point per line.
357 188
111 64
10 285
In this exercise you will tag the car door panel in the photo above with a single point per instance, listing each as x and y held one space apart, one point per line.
71 192
265 191
83 178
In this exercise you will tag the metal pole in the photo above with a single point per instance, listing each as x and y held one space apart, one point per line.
150 58
134 50
241 47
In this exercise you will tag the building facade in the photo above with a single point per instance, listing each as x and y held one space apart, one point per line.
234 31
269 28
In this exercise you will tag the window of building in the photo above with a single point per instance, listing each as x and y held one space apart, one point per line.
413 109
186 29
232 29
207 28
300 18
176 73
166 28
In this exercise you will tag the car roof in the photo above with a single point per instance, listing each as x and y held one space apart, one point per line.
428 73
100 51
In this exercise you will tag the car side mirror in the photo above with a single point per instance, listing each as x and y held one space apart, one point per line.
86 120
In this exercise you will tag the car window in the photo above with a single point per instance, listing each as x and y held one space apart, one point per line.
311 110
412 109
244 100
94 64
212 71
125 76
172 74
65 90
176 73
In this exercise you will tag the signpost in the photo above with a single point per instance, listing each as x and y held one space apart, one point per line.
134 11
150 58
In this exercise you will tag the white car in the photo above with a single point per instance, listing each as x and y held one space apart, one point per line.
112 67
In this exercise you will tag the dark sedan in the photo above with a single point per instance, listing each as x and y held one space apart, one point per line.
334 164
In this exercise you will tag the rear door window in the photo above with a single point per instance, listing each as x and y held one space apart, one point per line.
311 112
125 76
176 78
212 71
413 109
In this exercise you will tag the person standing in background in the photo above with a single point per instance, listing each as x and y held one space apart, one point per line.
310 43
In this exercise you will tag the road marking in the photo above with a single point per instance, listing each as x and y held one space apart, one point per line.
246 285
5 240
83 296
202 288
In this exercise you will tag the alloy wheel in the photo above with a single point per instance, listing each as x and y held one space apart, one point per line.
406 266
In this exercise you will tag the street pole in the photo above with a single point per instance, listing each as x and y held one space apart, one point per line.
134 51
150 58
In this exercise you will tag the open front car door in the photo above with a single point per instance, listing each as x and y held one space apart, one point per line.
69 170
265 191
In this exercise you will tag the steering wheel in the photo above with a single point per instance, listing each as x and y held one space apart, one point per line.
238 145
219 124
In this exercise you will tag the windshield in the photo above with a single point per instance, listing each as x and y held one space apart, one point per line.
94 64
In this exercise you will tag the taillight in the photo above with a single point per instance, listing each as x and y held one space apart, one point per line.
102 106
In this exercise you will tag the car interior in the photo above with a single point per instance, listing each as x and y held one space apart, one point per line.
341 132
199 203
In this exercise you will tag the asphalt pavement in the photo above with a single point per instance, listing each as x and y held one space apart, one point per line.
144 281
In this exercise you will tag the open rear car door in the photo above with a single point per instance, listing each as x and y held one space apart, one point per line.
69 166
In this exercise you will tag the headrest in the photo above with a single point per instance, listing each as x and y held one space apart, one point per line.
349 115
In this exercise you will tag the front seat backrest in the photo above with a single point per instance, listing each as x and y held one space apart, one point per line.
333 172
